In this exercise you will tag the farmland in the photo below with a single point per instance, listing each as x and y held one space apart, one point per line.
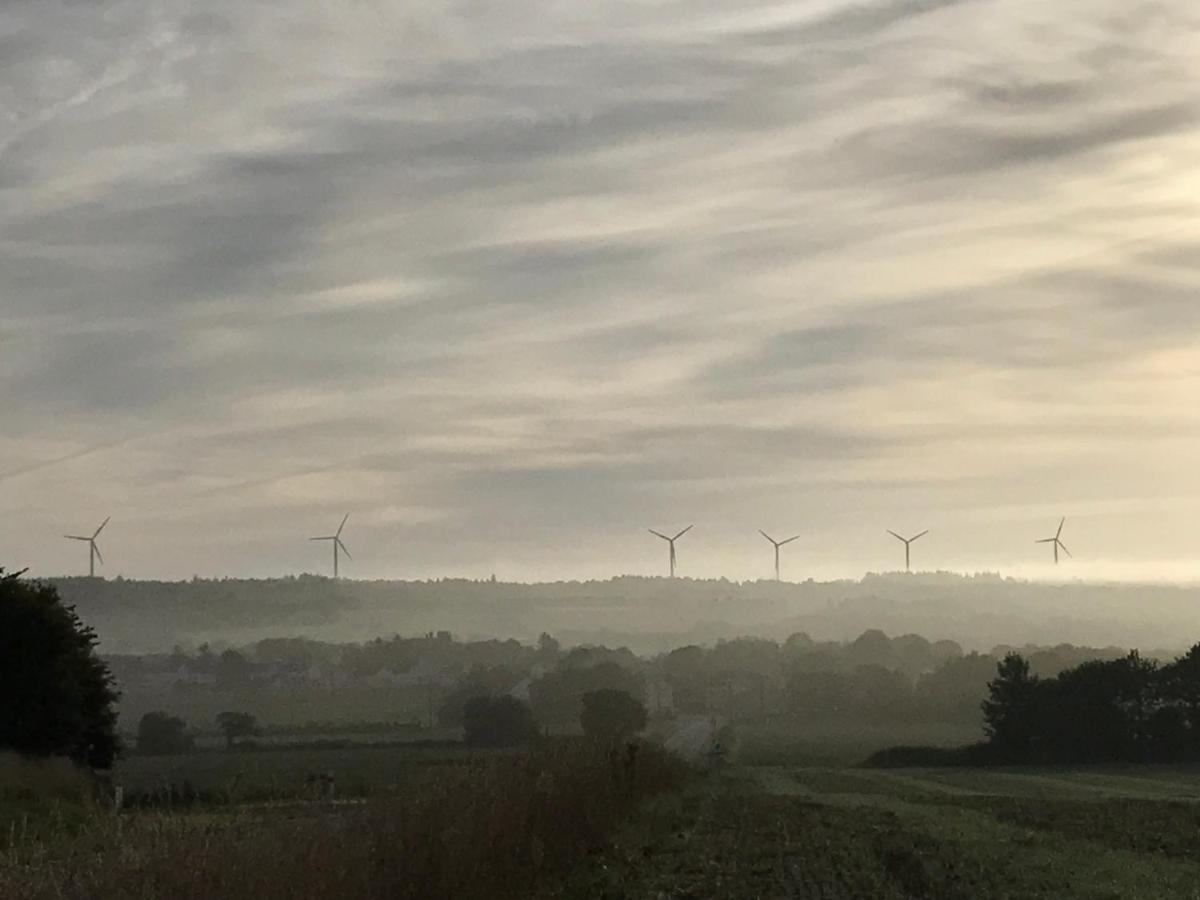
487 825
284 773
558 826
851 833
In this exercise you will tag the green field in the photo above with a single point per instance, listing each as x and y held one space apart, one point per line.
799 831
278 773
953 834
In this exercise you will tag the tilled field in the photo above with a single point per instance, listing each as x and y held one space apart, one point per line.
829 835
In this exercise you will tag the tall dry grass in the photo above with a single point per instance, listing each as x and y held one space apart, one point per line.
497 828
42 800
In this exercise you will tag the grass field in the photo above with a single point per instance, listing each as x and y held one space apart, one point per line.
270 773
441 822
943 835
842 743
440 825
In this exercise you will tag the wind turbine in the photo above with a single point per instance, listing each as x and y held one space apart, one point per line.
671 541
1058 544
908 546
777 545
336 539
93 550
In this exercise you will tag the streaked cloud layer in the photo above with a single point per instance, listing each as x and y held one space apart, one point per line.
513 282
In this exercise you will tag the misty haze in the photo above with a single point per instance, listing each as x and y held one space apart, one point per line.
634 450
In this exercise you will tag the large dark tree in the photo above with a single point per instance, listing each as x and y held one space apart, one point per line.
235 725
557 697
610 715
56 696
1010 712
162 733
497 722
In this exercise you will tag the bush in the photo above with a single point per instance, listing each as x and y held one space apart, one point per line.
497 722
235 725
611 715
56 696
557 697
160 733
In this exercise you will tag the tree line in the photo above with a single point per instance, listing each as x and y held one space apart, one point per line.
1062 704
1130 709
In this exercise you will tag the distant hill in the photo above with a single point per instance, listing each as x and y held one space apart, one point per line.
646 614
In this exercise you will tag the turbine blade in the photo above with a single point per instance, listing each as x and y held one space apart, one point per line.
98 556
328 537
682 533
1046 541
1064 549
921 535
789 540
76 537
767 536
1060 527
344 550
896 536
101 528
657 534
343 525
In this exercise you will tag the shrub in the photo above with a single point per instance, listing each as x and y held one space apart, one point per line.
235 725
160 733
497 722
557 697
611 715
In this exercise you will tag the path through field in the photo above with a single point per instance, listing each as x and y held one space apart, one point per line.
829 834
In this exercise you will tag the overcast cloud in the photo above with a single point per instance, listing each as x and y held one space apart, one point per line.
513 282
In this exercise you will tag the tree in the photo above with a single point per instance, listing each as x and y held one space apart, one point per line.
557 696
1009 712
818 695
548 649
479 682
233 669
871 648
952 691
57 697
1105 710
797 643
686 670
497 722
160 733
1175 724
236 725
611 715
878 694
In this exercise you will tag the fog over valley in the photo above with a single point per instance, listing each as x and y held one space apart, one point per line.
648 615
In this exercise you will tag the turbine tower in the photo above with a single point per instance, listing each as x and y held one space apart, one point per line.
93 550
908 546
1058 544
336 540
777 545
671 541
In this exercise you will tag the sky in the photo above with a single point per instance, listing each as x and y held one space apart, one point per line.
511 283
